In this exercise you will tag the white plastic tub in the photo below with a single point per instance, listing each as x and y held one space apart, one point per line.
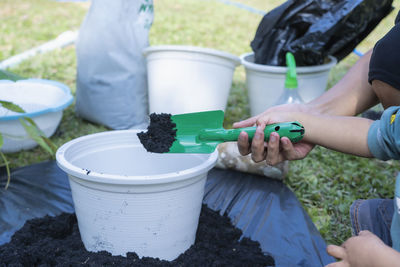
129 200
265 83
42 100
183 79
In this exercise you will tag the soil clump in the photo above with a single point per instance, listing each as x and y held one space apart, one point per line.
160 133
55 241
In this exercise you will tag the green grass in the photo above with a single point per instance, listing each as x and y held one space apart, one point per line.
325 182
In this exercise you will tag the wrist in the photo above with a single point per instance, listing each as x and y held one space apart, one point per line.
321 107
387 256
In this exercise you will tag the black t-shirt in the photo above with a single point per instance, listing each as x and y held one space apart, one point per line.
385 59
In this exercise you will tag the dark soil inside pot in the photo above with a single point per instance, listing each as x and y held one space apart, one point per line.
160 133
55 241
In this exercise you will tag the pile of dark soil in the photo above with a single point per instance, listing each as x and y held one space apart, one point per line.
160 133
55 241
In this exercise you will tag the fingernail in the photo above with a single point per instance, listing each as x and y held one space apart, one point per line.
241 136
272 138
285 141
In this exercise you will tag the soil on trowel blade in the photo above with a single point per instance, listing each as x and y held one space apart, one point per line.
55 241
160 133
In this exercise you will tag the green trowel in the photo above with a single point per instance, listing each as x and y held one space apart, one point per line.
201 132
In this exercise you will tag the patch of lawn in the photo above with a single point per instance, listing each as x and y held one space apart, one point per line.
325 182
26 24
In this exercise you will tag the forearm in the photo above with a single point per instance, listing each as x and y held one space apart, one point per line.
351 95
385 256
343 134
391 257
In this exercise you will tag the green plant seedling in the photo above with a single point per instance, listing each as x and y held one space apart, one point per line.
33 131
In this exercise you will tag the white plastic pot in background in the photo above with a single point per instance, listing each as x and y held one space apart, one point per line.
265 83
183 79
129 200
42 100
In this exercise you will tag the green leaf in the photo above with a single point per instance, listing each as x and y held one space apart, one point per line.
35 133
6 75
50 143
7 169
33 123
5 162
42 135
11 106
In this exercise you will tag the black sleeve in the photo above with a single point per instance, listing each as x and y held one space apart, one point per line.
385 59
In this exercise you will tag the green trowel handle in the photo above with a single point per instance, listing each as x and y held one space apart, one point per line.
292 130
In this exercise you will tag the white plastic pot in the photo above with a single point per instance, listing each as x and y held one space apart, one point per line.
129 200
183 79
42 100
266 83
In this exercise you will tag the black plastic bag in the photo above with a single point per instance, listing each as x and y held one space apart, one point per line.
264 209
314 29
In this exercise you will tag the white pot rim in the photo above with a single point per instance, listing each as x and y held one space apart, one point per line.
66 100
281 69
192 49
108 178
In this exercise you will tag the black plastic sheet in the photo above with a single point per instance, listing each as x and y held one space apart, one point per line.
314 29
264 209
34 192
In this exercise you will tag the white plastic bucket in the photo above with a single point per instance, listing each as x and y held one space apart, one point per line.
42 100
183 79
265 83
129 200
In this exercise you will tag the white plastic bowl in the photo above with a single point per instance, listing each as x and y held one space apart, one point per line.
265 83
42 100
129 200
183 79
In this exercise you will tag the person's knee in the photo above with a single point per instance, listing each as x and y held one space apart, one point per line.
374 215
387 94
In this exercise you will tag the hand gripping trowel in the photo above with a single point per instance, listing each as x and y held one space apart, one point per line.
201 132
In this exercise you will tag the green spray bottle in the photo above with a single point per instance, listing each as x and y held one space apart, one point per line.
290 93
